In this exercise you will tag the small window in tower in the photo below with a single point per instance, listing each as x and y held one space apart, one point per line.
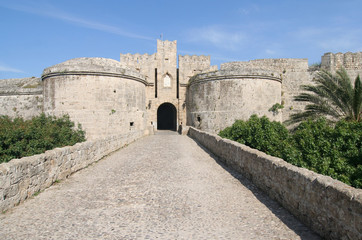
131 124
166 59
167 81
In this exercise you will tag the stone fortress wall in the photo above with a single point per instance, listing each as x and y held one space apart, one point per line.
217 99
98 93
292 72
143 64
352 62
115 97
166 79
188 67
21 97
157 68
192 65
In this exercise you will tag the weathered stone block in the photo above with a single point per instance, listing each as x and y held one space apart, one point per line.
11 191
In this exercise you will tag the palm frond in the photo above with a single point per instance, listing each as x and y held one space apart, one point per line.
337 89
332 96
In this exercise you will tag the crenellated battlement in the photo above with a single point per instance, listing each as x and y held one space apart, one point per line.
349 61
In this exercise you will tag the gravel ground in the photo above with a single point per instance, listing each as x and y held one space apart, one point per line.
163 186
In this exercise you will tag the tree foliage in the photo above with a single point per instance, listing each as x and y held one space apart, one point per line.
259 133
20 138
332 96
334 151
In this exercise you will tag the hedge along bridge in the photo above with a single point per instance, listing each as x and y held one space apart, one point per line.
171 187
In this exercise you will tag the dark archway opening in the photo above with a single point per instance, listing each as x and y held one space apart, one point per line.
166 117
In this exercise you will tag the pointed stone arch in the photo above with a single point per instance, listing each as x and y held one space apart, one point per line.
166 117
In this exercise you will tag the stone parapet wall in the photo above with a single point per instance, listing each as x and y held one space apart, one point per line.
330 207
22 178
21 97
225 73
94 66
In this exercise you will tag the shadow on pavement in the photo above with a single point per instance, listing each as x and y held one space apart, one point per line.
284 215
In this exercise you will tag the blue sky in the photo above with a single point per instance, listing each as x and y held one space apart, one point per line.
36 34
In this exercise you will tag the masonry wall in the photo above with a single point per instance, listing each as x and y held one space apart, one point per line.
352 62
215 100
166 64
330 207
293 72
163 88
97 93
145 64
21 97
191 65
22 178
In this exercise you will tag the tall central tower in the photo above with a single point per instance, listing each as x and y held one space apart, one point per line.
165 99
166 84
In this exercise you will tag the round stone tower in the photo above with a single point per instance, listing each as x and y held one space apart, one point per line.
105 98
216 99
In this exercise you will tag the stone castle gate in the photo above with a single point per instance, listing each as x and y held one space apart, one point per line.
167 117
144 93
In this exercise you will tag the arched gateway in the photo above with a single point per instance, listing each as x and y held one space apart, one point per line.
166 117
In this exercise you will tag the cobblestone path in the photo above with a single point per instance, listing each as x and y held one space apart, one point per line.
163 186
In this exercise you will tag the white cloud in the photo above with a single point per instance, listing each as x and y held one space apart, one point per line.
4 68
218 36
270 52
51 12
249 9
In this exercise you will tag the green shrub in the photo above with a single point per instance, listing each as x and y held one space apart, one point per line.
259 133
20 138
333 151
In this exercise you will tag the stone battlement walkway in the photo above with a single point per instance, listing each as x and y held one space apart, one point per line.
163 186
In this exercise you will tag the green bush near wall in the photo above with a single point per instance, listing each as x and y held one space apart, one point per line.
20 138
334 151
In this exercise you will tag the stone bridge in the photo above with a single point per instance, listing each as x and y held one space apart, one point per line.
164 186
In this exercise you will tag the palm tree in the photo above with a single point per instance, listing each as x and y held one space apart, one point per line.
332 96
